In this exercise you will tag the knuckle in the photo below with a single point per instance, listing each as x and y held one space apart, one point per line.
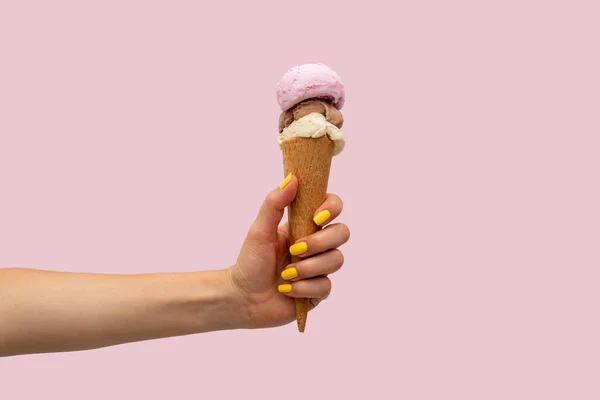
338 258
257 236
255 232
270 200
336 202
341 203
344 231
327 286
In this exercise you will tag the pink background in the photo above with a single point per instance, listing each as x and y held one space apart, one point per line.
131 133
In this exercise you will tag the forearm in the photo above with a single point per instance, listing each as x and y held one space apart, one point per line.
44 311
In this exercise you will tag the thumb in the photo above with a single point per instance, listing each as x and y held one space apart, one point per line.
270 213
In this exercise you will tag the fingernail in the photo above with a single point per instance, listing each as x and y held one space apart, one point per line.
285 288
298 248
289 273
321 217
285 182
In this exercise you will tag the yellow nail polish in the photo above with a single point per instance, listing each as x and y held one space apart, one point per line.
321 217
298 248
289 273
285 288
285 182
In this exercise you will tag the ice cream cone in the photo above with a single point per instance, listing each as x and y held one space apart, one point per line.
309 159
310 97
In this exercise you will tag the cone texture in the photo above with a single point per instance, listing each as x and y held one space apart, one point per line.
310 161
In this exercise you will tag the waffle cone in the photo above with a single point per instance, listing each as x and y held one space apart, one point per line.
310 160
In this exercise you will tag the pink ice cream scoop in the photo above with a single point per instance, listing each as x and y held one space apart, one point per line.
310 81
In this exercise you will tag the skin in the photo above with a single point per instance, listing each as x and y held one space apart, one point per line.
51 311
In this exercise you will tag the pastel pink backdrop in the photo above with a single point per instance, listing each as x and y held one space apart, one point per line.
139 136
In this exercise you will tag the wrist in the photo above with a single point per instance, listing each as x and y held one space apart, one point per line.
214 303
196 302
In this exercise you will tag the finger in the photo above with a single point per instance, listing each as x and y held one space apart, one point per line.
314 288
270 213
322 264
284 229
328 238
329 210
313 303
282 243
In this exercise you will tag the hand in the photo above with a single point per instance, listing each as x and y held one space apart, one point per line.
267 295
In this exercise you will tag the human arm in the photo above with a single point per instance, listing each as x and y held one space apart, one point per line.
49 311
